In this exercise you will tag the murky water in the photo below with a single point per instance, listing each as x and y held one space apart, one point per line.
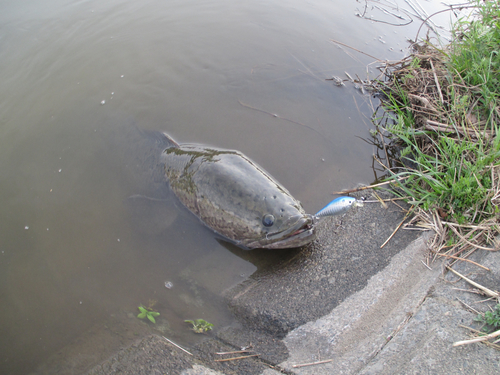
86 234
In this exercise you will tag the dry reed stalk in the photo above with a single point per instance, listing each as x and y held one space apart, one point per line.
436 81
469 307
393 200
355 49
478 339
481 333
236 358
177 346
445 128
465 260
312 363
470 243
397 228
488 292
235 352
367 187
380 200
429 268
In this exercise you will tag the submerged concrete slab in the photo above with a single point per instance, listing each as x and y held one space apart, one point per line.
150 355
154 355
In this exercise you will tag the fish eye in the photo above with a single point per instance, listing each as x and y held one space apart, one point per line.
268 220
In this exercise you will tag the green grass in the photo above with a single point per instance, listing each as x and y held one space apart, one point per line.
449 174
453 171
475 58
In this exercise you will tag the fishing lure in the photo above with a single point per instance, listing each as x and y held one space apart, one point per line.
338 206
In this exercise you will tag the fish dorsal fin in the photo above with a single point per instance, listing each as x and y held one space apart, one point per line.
170 141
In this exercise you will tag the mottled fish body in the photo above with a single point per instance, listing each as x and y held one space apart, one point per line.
337 206
235 197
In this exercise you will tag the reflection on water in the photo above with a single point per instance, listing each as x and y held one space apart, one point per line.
87 232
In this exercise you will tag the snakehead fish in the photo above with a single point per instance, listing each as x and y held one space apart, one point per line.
235 197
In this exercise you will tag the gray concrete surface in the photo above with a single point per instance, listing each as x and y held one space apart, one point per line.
369 310
425 344
404 322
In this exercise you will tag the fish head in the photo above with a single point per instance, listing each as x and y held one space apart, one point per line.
282 223
295 232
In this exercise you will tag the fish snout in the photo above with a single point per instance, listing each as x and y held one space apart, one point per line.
301 223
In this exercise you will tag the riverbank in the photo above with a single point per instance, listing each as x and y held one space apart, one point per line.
404 319
441 123
347 301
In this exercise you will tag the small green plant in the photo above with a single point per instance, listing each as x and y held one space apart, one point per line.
490 318
200 325
145 313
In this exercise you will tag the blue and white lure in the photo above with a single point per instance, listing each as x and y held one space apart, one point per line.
338 206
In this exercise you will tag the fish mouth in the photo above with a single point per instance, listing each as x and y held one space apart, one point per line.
301 232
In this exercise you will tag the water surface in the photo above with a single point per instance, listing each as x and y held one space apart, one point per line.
86 234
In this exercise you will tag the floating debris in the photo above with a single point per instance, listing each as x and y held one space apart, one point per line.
169 284
336 80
